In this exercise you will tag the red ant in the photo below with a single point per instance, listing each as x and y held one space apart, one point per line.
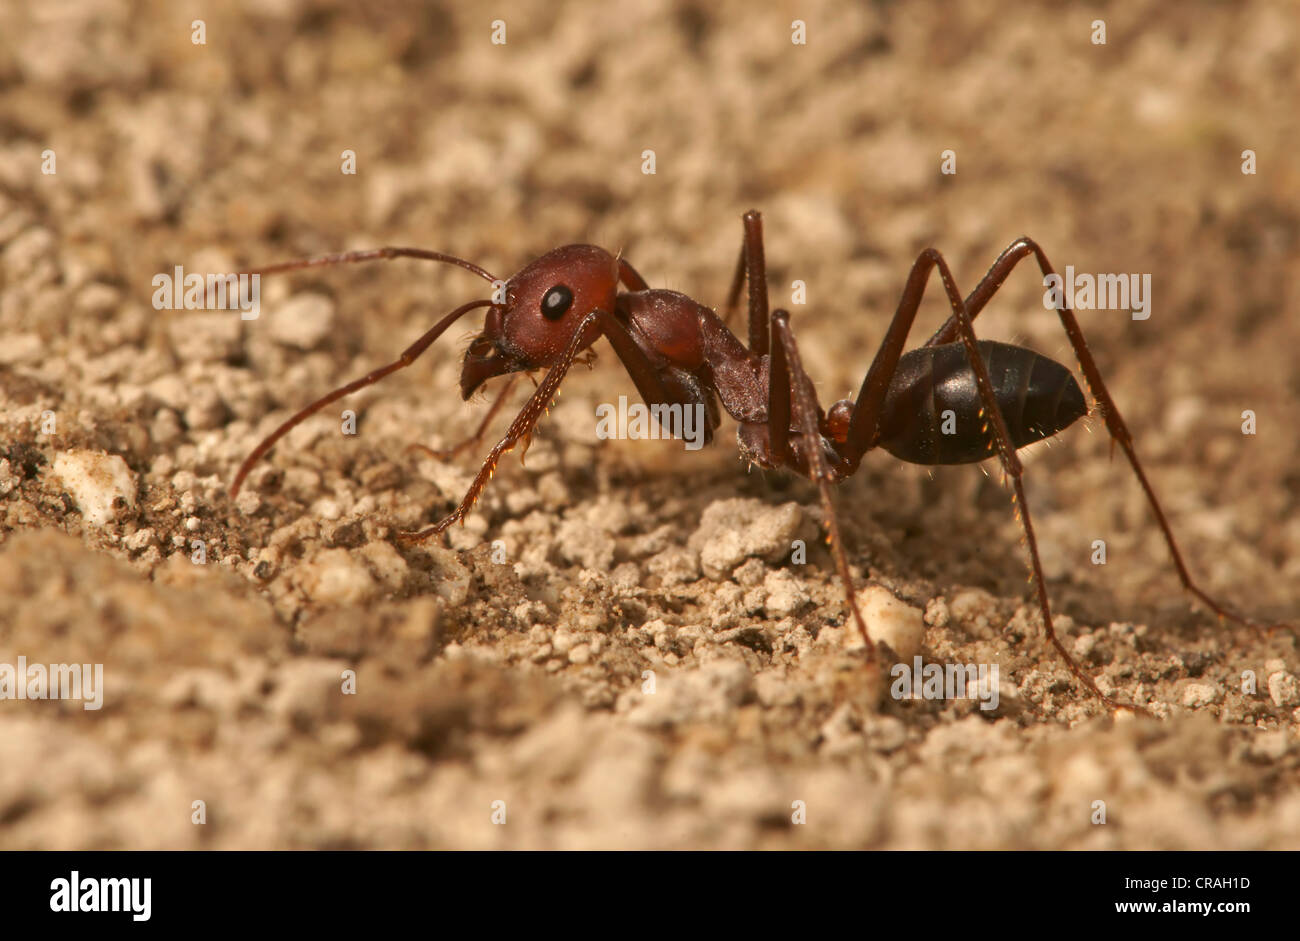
679 352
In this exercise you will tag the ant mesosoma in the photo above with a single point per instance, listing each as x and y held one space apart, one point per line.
679 352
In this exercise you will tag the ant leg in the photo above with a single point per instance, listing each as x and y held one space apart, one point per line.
871 401
409 355
602 323
1020 249
871 398
983 292
1015 471
447 454
733 293
752 267
786 363
737 282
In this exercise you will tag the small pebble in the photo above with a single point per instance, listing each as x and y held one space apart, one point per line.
1200 694
896 623
101 484
1283 689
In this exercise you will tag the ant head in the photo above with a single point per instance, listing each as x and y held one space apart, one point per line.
544 303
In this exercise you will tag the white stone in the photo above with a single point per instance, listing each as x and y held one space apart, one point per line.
96 481
335 576
1200 694
899 625
1283 689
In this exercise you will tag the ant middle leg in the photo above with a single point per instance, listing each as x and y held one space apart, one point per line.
787 384
751 268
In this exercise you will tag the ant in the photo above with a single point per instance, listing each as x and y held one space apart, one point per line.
679 352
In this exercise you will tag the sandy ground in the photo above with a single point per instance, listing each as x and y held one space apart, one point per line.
512 662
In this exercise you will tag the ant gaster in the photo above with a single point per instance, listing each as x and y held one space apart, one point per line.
679 352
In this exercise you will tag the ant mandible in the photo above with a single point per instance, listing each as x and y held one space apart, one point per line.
679 352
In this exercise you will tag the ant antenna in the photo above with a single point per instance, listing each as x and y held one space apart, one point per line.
374 254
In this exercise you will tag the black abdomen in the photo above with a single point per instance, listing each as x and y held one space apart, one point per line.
1038 397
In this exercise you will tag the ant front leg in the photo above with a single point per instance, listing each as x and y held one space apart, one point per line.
644 375
447 454
870 405
1018 250
787 383
751 267
409 355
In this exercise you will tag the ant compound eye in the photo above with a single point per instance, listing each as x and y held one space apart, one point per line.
556 302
